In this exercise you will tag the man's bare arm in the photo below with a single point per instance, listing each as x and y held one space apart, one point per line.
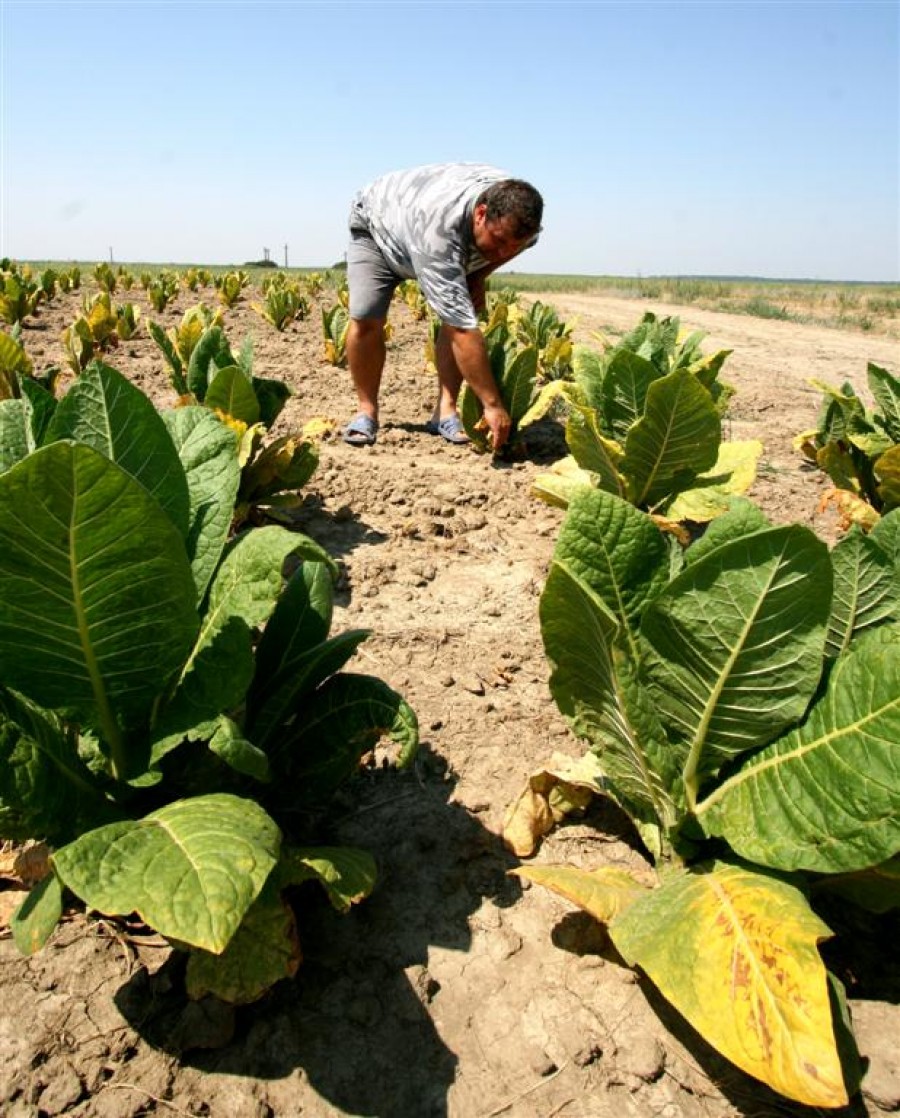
470 354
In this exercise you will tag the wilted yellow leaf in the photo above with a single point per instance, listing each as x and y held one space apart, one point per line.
318 427
549 796
527 820
850 509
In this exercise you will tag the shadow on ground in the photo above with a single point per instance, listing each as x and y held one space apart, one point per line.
358 1018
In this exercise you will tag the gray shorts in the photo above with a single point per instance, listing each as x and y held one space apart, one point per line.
371 281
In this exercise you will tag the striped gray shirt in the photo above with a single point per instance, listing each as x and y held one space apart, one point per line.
421 220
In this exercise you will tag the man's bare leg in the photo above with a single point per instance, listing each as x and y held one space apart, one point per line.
449 378
365 357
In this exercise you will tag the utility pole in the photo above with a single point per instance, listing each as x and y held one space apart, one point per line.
285 256
110 254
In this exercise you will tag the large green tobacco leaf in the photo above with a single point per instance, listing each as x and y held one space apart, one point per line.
346 873
625 387
294 654
676 439
592 451
211 353
618 551
588 371
886 534
742 519
242 595
208 452
45 788
735 951
97 602
344 719
517 384
14 433
735 644
231 392
885 389
600 701
190 870
866 590
826 796
104 410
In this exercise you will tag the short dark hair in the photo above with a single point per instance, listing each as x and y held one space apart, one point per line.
515 199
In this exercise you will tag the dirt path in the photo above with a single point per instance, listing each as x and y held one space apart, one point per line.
453 991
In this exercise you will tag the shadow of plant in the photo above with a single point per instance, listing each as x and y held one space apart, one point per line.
356 1021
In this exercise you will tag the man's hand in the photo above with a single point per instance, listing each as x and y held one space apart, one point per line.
498 422
467 354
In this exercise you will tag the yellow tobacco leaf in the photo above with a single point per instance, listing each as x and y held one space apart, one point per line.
735 951
604 893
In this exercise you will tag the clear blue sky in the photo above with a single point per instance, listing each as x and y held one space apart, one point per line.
667 138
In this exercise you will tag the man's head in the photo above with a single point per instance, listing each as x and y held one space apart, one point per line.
506 219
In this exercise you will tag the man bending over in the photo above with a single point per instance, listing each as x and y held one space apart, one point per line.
448 226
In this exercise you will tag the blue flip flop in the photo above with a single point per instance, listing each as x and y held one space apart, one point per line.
361 431
450 429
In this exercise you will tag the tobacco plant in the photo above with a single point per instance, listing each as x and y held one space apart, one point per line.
525 388
162 290
410 293
313 282
230 287
516 372
69 279
741 702
178 342
644 422
128 315
540 326
104 277
335 324
857 447
283 304
212 375
172 706
20 296
48 281
14 365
